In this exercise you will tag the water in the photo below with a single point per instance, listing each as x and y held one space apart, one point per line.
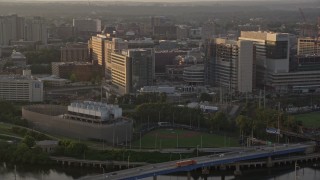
7 172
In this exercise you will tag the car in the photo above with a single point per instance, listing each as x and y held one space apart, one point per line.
221 155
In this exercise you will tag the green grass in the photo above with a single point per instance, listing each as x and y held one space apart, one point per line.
6 129
310 120
167 138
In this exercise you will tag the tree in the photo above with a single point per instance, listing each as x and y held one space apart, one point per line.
163 97
243 122
73 77
218 120
29 141
205 97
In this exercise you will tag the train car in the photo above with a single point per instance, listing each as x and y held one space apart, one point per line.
185 163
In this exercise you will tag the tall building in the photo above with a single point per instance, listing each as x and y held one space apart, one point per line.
132 69
11 29
74 52
308 46
208 30
271 53
36 30
96 46
20 88
115 45
230 64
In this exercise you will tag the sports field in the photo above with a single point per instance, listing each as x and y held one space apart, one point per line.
172 138
310 120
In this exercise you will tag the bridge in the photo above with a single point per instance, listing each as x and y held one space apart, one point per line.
154 170
94 163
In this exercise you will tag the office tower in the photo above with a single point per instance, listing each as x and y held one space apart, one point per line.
36 30
271 53
230 64
114 45
74 52
308 46
11 29
96 46
132 69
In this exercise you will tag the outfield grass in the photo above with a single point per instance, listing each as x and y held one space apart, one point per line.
171 138
310 120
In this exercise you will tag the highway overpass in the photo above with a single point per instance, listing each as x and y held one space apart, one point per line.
154 170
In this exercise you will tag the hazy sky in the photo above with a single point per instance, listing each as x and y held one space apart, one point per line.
155 0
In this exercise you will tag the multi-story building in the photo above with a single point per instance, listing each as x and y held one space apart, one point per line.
82 71
230 64
194 75
14 28
20 88
11 29
96 49
36 30
271 53
72 52
132 69
208 30
115 45
308 46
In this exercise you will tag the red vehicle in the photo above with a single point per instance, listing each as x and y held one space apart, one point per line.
185 163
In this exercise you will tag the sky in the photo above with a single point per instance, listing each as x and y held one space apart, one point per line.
154 0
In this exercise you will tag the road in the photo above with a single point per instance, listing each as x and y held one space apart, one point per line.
203 161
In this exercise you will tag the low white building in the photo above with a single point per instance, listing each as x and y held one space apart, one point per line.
95 111
20 88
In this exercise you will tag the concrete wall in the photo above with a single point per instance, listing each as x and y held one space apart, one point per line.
56 124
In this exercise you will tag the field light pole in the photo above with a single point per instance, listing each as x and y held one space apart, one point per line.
128 160
140 141
177 140
197 150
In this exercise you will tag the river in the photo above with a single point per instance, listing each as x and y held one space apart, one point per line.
7 172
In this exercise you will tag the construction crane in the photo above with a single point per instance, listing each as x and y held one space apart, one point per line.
306 28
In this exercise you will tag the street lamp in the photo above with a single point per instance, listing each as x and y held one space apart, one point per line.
103 172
